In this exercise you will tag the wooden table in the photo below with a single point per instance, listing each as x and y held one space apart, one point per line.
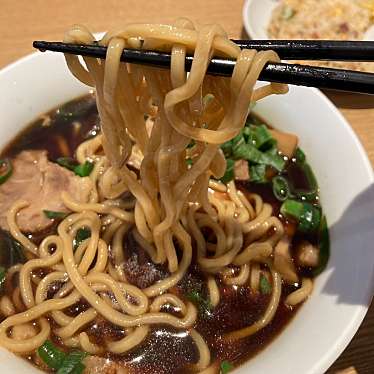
22 21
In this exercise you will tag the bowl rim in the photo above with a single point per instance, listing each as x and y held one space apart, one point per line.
252 33
325 362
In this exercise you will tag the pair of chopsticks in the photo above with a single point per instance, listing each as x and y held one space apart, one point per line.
300 75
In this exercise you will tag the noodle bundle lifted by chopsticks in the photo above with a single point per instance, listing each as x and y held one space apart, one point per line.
149 118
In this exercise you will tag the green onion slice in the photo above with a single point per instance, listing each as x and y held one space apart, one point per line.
225 367
72 363
55 215
2 277
265 286
84 170
281 188
82 235
229 173
307 215
324 247
67 162
51 355
6 170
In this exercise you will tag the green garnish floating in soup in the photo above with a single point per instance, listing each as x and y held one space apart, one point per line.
11 251
256 145
67 162
55 215
281 188
305 214
83 170
2 277
324 247
61 362
6 170
73 363
265 286
51 355
300 156
82 235
225 367
229 173
198 299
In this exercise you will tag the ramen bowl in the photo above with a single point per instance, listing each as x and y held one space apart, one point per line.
327 322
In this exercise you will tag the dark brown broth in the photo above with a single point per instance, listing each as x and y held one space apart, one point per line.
165 350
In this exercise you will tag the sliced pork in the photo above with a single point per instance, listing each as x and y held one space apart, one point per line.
39 182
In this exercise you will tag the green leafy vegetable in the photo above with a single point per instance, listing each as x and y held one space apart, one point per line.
72 363
84 170
262 138
258 173
6 170
324 247
61 362
288 12
67 162
51 355
198 299
189 161
229 173
191 144
265 286
82 235
307 215
2 277
79 369
300 156
55 215
11 251
281 188
252 154
225 367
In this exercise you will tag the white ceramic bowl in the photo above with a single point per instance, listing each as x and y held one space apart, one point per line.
327 322
256 17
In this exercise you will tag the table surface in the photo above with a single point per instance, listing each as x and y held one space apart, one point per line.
22 21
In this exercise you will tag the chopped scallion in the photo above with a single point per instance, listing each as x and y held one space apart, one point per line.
230 171
262 138
202 303
82 234
300 156
67 162
189 161
84 170
307 215
6 170
2 277
281 188
55 215
265 286
72 362
324 247
51 355
225 367
61 362
257 174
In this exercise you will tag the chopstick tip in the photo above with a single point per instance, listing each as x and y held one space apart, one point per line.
37 44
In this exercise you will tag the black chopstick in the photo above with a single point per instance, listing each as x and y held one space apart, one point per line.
327 50
300 75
